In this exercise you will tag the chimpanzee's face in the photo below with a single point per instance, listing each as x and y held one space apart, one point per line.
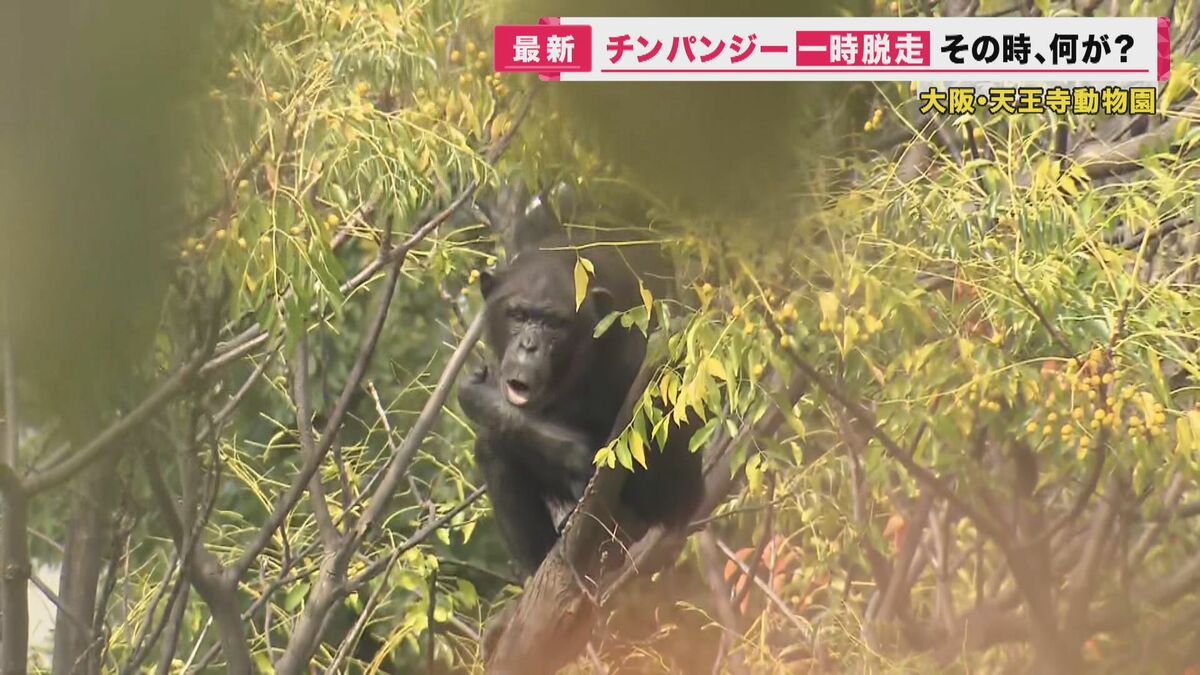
535 330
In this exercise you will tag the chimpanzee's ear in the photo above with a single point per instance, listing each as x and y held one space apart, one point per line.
487 283
602 300
536 224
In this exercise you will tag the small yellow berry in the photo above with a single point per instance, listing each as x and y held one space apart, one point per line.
184 254
1067 430
455 56
296 230
199 246
1107 379
440 41
1052 417
220 234
243 184
1084 441
1077 414
276 96
241 242
1031 427
757 370
1047 430
473 276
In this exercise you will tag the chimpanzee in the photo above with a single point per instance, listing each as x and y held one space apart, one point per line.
552 401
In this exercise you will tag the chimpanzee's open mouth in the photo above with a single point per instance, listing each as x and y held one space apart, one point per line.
517 392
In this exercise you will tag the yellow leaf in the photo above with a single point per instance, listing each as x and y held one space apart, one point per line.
637 447
829 306
1193 418
754 473
1184 443
715 368
647 299
581 282
1179 82
850 330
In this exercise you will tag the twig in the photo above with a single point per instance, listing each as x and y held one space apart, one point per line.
1041 317
716 585
328 531
379 565
397 465
432 625
63 470
796 621
905 458
176 610
312 463
898 582
760 550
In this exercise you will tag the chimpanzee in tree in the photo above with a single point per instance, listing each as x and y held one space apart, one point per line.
551 401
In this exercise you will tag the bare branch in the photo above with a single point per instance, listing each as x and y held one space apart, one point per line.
328 531
720 593
397 466
68 466
288 501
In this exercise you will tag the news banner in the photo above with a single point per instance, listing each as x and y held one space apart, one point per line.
999 65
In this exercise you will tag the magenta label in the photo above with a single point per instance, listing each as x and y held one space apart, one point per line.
861 48
543 49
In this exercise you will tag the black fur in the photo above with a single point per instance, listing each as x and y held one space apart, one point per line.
550 402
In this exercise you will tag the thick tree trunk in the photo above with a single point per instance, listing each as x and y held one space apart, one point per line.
14 580
87 538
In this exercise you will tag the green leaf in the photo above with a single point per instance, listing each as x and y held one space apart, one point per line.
467 594
295 596
701 437
623 456
603 325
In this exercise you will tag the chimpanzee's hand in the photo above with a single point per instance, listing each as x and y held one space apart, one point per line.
480 375
480 399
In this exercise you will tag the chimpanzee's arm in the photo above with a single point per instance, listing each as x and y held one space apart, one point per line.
550 449
521 511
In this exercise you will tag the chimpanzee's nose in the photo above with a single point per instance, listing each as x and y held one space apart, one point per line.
529 344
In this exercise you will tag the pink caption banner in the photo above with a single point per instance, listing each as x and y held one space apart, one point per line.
948 49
